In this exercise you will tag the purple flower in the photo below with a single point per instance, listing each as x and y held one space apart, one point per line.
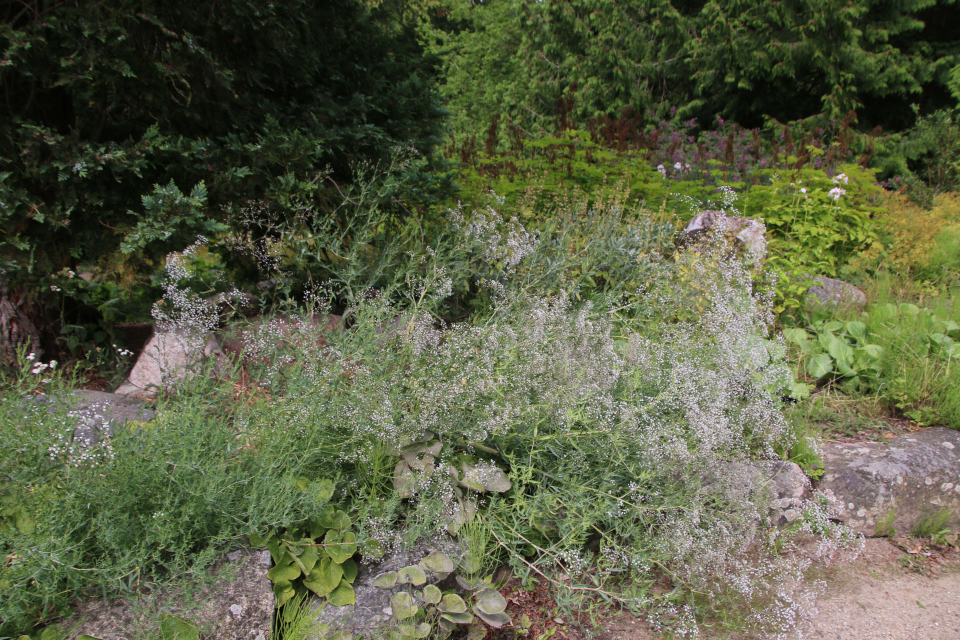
836 192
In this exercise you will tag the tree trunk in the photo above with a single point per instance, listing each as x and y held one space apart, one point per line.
16 329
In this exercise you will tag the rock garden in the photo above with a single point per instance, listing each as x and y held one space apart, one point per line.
351 320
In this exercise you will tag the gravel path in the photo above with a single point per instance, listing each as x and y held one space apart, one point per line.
871 598
877 598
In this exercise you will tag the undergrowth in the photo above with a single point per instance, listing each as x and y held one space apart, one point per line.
620 414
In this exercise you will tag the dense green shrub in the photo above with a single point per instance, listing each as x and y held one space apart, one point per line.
129 127
744 60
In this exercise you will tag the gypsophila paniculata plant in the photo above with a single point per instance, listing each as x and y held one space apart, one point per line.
609 414
593 417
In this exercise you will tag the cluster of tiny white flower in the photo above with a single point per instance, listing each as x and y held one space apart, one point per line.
507 243
122 351
698 392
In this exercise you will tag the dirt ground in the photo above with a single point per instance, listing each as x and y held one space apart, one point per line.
884 594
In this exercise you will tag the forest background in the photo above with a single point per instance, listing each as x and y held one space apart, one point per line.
511 175
130 128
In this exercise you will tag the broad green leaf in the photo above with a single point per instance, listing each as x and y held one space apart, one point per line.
283 591
386 580
463 512
495 620
845 370
403 605
467 584
403 480
438 563
850 385
489 601
350 570
452 603
307 560
324 578
459 618
285 571
909 309
873 351
799 390
54 632
837 348
796 336
273 544
484 477
476 632
411 629
340 545
331 519
258 540
411 575
446 625
176 628
471 563
323 489
938 338
432 594
832 326
858 330
343 595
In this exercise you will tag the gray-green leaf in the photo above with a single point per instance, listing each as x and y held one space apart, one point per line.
386 580
411 575
431 594
403 605
438 563
489 601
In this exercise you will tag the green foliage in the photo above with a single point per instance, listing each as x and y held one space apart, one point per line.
902 353
924 345
932 152
318 556
838 352
429 612
160 496
816 222
579 59
867 56
932 524
128 130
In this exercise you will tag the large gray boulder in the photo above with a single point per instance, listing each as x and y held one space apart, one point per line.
235 603
748 233
97 415
169 357
781 487
895 485
100 415
833 293
788 488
